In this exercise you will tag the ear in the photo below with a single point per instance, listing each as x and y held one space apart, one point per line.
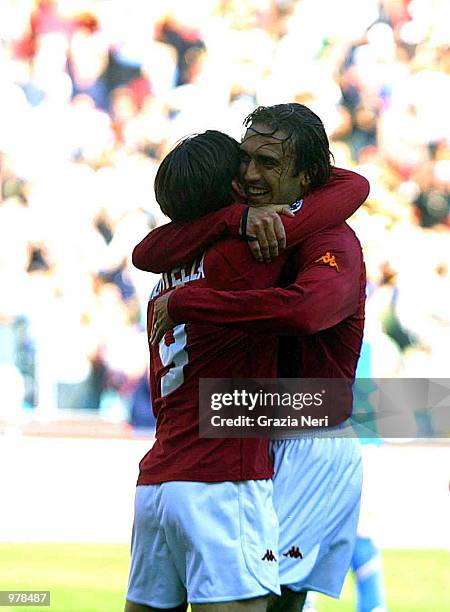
237 191
303 179
304 183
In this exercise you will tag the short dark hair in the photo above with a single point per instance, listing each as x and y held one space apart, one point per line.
306 133
195 177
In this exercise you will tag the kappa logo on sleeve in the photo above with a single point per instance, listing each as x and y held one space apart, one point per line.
329 260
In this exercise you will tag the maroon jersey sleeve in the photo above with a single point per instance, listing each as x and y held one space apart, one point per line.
175 244
327 206
325 292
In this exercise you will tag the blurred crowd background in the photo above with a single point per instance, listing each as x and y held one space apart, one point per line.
95 92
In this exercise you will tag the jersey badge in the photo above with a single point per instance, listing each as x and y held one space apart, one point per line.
295 207
329 260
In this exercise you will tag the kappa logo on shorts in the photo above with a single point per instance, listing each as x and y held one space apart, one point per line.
329 259
294 553
269 556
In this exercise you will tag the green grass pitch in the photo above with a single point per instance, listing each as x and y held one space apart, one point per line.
92 578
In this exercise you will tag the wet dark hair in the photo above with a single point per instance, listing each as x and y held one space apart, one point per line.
306 135
195 177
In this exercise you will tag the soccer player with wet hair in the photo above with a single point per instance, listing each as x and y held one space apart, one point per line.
200 563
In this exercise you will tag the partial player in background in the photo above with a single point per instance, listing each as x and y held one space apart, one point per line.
319 316
367 566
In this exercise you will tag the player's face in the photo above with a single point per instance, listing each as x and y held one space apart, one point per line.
267 166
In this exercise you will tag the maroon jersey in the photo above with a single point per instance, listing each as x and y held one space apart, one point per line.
203 348
193 351
319 316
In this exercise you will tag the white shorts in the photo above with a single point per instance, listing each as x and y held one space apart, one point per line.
317 491
203 543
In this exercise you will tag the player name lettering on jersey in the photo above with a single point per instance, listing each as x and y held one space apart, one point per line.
180 276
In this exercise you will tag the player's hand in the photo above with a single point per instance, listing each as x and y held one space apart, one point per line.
265 227
161 319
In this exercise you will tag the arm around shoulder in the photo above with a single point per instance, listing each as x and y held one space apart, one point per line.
175 244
